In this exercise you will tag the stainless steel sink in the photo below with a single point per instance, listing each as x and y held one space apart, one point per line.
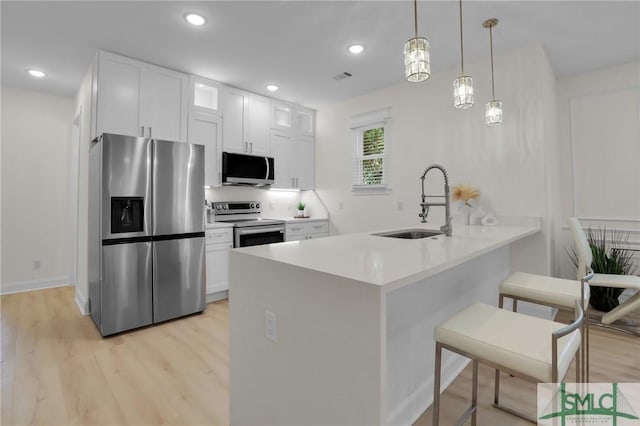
410 234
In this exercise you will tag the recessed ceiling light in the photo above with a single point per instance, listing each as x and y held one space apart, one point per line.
195 19
272 87
356 49
36 73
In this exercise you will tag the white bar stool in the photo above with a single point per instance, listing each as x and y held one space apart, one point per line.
522 345
549 291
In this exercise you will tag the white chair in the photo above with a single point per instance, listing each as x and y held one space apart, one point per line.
522 345
585 258
549 291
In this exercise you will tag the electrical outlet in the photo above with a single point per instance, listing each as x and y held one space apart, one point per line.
400 206
270 326
341 205
36 264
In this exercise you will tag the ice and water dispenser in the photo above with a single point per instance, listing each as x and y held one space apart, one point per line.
127 214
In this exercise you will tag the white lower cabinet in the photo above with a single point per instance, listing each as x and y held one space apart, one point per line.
307 230
218 241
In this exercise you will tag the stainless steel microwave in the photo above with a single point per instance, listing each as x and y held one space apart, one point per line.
250 170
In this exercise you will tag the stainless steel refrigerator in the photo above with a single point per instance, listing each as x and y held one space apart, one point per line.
146 231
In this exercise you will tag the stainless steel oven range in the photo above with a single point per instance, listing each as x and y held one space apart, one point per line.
249 228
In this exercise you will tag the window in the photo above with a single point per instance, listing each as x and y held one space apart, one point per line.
371 152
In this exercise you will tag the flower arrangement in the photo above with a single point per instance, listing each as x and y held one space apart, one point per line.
465 193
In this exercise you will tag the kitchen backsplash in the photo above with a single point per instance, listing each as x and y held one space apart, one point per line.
275 204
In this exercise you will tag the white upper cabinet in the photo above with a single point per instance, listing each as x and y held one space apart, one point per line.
206 129
294 161
139 99
294 118
281 115
246 122
305 121
258 125
305 158
204 95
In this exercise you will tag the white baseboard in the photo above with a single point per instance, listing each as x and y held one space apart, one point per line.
214 297
21 286
82 303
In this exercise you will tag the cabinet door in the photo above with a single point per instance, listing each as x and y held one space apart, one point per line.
234 121
164 104
119 95
218 267
258 125
305 161
282 151
281 115
206 129
204 95
305 121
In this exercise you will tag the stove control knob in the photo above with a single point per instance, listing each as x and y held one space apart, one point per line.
253 205
257 205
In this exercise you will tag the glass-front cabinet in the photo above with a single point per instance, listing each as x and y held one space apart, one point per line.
204 95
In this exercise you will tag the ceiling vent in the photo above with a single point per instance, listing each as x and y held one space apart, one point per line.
342 76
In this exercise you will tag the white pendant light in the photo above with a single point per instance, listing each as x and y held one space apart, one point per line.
493 110
417 67
463 85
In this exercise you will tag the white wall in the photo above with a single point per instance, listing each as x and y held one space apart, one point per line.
599 112
507 163
36 139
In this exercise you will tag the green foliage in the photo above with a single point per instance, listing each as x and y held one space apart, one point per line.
372 145
608 258
373 141
301 205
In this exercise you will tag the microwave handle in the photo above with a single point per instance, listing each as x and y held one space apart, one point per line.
266 160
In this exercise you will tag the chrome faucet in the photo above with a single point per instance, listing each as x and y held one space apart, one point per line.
446 228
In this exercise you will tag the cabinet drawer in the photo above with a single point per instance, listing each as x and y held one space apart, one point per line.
215 236
317 227
296 229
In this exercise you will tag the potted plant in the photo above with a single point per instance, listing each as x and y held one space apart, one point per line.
301 207
608 258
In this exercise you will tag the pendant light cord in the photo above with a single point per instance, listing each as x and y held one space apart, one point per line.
415 16
493 90
461 41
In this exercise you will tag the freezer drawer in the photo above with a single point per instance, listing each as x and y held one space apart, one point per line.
126 287
178 278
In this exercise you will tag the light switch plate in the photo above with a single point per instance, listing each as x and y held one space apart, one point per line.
271 326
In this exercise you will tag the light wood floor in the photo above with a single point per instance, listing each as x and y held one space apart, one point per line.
57 370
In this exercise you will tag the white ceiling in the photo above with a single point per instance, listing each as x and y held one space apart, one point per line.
300 45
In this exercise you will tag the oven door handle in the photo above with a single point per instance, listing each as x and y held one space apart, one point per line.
266 159
261 230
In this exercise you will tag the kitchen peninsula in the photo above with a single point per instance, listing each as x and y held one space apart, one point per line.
339 330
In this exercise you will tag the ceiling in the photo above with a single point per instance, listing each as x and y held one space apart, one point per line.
301 45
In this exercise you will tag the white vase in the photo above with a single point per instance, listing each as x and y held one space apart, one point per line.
466 214
300 212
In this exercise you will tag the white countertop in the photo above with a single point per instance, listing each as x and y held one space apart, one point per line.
391 262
